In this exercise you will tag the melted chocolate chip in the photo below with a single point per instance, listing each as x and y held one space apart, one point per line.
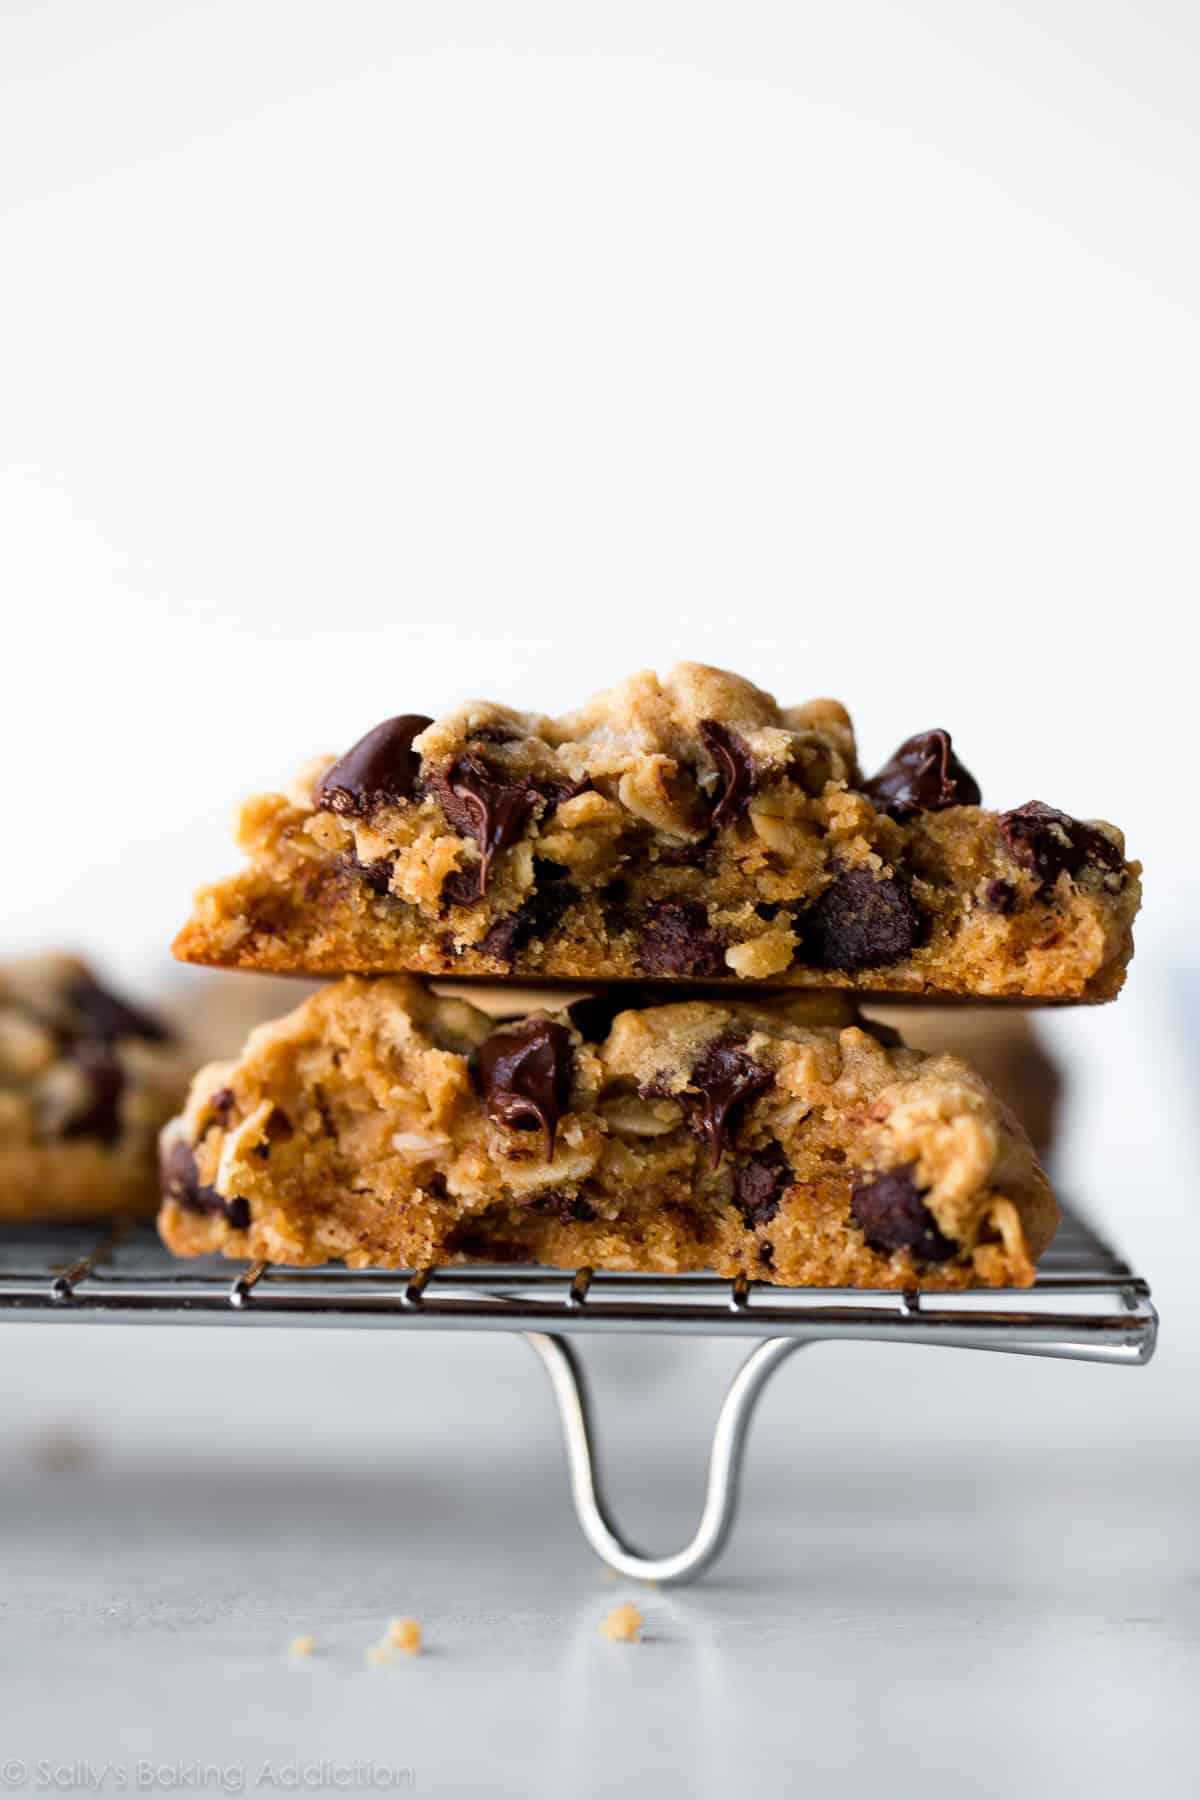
759 1185
381 769
103 1082
924 775
890 1210
723 1080
736 771
859 922
536 917
525 1072
1041 838
480 804
181 1183
676 939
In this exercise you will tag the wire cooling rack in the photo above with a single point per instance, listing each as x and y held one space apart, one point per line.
1087 1304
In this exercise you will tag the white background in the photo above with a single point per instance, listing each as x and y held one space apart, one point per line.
357 359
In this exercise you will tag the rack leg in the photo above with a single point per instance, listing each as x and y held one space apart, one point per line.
724 1462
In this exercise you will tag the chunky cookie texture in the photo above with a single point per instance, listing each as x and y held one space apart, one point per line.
86 1082
684 829
381 1125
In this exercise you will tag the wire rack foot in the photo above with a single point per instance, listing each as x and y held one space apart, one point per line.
725 1460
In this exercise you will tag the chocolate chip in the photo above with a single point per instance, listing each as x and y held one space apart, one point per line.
924 775
859 922
107 1018
99 1115
721 1082
480 804
376 875
759 1184
614 906
891 1213
676 939
181 1183
463 887
572 1209
381 769
1000 896
536 917
1047 841
736 770
525 1072
224 1104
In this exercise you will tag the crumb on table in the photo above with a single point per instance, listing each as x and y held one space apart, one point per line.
304 1645
401 1634
622 1624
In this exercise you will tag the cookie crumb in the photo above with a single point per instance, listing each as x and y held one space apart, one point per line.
622 1624
304 1645
379 1653
404 1634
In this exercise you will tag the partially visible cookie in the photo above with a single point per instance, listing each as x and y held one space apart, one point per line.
86 1081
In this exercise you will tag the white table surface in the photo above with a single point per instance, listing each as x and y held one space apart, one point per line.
953 1573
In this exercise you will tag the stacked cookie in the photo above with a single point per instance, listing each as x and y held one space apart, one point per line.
706 887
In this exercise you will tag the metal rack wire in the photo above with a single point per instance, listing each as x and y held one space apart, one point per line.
1087 1305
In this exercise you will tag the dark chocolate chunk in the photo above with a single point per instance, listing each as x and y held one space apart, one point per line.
737 774
481 804
759 1184
525 1072
106 1017
100 1113
890 1210
722 1081
536 917
924 775
859 922
224 1104
381 769
1047 841
181 1183
676 939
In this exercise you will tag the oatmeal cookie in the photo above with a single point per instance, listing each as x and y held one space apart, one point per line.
382 1125
687 828
86 1082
